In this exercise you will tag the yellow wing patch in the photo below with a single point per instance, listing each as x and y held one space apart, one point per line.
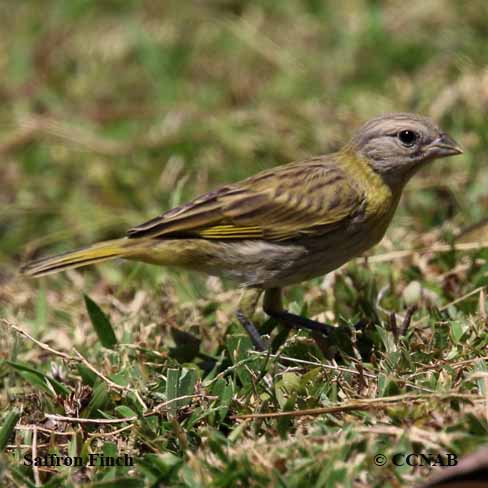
300 199
231 232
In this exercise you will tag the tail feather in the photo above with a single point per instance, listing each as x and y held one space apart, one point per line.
102 251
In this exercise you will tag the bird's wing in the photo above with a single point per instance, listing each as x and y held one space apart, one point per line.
294 200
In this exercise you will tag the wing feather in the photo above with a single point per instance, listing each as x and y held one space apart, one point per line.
308 198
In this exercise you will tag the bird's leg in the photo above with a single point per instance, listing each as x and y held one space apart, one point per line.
245 312
273 306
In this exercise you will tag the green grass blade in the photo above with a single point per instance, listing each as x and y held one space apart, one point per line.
41 380
8 427
100 323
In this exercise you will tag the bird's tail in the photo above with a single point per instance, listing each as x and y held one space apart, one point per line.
96 253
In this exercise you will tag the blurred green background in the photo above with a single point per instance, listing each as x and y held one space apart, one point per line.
113 111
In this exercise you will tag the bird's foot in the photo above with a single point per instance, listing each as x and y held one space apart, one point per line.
329 339
298 322
252 331
320 331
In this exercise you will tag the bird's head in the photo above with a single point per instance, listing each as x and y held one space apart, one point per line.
397 144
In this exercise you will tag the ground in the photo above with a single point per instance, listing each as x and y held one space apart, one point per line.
112 112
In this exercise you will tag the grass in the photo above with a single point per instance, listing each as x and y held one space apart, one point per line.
114 111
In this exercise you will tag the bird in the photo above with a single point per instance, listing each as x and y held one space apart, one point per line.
286 224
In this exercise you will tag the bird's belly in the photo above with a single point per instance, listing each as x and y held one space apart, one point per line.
282 264
267 264
273 264
323 256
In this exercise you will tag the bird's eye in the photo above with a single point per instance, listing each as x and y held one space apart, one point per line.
408 137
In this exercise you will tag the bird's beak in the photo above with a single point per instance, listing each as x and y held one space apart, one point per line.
444 146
